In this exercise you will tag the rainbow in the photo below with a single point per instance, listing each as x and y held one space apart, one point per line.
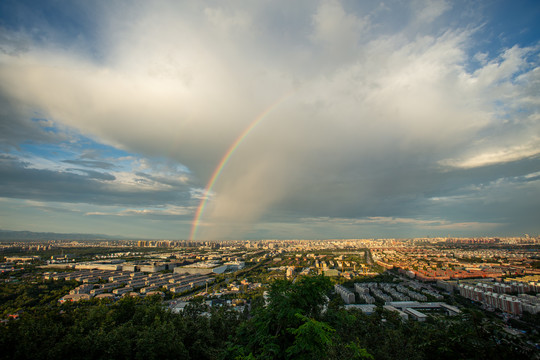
225 160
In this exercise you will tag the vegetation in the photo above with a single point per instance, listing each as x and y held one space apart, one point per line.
31 296
296 321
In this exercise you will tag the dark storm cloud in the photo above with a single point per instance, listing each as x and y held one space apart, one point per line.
82 186
415 190
17 127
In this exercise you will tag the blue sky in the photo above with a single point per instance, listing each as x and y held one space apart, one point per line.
395 119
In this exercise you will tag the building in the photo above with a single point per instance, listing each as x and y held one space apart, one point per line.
367 309
290 272
209 267
495 297
417 315
403 315
151 267
346 294
113 265
202 268
74 297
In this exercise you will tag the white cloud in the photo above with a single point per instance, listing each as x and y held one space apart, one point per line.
228 22
164 211
497 156
337 30
427 11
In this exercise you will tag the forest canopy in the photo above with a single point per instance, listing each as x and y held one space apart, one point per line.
295 321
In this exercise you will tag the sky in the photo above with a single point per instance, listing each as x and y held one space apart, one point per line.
211 120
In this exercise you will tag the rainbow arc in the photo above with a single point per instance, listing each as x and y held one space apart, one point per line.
225 159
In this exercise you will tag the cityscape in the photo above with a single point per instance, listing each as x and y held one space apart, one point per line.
420 280
260 180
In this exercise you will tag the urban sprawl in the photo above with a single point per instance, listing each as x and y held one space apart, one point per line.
499 275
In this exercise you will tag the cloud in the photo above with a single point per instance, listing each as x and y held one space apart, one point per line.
433 225
13 43
381 115
153 213
428 10
337 30
17 125
93 174
236 21
91 163
159 222
503 155
20 180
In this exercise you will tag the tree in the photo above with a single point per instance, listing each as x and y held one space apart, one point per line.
312 340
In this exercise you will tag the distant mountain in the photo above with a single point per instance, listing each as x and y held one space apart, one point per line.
8 235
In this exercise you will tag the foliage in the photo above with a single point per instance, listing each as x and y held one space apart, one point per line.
295 322
128 329
311 339
26 296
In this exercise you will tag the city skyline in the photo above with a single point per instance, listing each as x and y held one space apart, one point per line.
278 120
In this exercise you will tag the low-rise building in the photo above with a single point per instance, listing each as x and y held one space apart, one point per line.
346 294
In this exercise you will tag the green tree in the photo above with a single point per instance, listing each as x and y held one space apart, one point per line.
312 340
